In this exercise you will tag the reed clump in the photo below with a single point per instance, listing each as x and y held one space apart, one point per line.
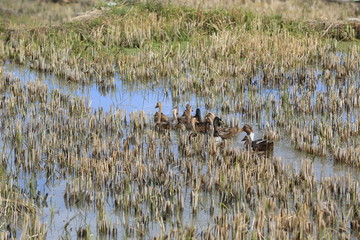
18 211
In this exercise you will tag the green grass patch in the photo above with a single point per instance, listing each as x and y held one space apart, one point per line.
132 28
346 46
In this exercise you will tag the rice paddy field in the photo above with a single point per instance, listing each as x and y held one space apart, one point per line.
83 158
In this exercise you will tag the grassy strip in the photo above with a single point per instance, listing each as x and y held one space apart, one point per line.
144 35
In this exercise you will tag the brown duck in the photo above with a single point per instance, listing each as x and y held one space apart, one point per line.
161 124
225 133
171 124
193 123
159 114
176 121
202 127
186 117
259 145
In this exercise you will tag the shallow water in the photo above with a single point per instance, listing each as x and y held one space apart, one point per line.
143 98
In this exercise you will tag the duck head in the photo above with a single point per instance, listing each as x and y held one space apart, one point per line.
188 107
249 131
247 128
188 110
211 116
158 105
187 114
217 122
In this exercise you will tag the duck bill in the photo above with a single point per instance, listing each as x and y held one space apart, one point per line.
157 105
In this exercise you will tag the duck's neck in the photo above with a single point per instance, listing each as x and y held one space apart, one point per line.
215 132
193 126
215 127
175 115
198 116
188 117
251 135
158 117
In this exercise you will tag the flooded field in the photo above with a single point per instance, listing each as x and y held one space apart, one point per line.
137 97
140 119
86 188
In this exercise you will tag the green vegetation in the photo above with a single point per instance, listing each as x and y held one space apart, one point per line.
88 47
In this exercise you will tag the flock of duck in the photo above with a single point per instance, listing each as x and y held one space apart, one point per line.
211 125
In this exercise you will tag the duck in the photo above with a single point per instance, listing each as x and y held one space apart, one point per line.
198 115
216 136
192 128
202 127
188 109
186 116
173 123
160 114
177 124
159 124
259 145
210 117
193 123
187 113
228 132
189 120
